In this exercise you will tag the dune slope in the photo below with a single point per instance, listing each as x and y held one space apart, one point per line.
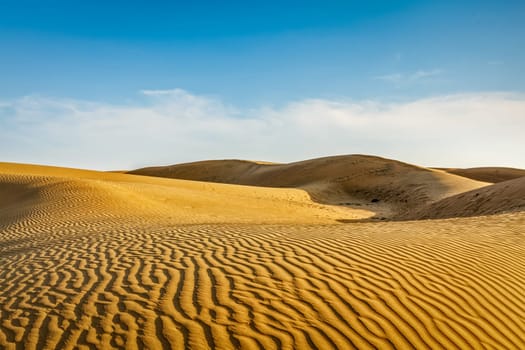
502 197
97 260
487 174
382 185
64 192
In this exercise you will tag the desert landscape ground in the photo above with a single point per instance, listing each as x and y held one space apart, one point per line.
346 252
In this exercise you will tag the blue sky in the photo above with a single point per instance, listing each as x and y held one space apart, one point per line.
261 51
257 55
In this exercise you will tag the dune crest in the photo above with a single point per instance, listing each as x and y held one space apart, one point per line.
487 174
385 186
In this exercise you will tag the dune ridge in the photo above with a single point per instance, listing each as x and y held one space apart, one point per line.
487 174
385 186
103 260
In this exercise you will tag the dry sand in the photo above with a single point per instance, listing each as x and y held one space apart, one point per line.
487 174
502 197
108 260
387 187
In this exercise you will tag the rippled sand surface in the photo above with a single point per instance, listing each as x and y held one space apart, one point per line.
115 262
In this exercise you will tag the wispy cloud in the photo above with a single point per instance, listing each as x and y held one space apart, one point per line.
416 76
395 77
175 126
421 74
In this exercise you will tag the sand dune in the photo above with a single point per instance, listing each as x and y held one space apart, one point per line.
62 190
503 197
384 186
487 174
105 260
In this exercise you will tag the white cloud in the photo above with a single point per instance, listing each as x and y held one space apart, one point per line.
421 74
406 78
394 77
176 126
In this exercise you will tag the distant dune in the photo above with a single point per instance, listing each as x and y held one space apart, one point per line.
503 197
385 186
100 260
487 174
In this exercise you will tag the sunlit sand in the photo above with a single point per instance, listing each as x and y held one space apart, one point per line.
349 252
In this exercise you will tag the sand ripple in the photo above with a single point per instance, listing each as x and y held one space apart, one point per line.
89 264
438 285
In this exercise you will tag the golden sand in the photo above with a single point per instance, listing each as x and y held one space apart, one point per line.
488 174
109 260
386 187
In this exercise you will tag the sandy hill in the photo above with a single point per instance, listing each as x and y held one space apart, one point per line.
34 190
487 174
92 260
384 186
503 197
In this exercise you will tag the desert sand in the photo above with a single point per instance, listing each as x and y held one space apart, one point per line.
337 252
387 187
487 174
